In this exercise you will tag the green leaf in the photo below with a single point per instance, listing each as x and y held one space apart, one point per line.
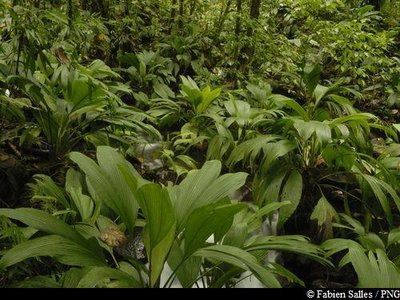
269 186
45 186
292 193
47 223
37 282
379 188
186 270
311 75
334 246
189 82
280 99
276 150
251 149
208 96
98 69
339 156
71 278
64 250
357 227
280 270
73 186
397 127
320 92
374 271
364 269
258 93
208 220
265 210
203 187
102 190
372 241
325 214
163 91
354 117
109 183
159 232
305 129
241 259
393 237
289 243
110 162
100 276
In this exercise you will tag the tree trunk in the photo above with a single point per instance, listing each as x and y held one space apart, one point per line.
255 6
221 20
70 14
238 29
181 12
173 14
238 18
246 54
126 8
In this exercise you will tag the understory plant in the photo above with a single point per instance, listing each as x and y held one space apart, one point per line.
309 153
108 222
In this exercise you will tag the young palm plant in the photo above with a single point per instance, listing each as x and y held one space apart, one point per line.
374 257
194 228
72 105
324 146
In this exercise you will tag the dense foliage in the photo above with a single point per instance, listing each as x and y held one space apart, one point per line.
191 143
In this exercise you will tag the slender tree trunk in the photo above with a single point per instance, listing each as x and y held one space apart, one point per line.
221 20
255 6
238 18
173 14
238 54
181 12
126 8
70 14
19 50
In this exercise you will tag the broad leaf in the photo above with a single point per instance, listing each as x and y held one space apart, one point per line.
83 203
109 184
64 250
325 214
208 220
203 187
241 259
159 232
292 193
47 223
100 276
311 74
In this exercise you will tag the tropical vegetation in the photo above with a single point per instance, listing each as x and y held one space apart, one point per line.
184 143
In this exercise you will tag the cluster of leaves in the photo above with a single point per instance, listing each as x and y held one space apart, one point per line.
178 221
175 86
